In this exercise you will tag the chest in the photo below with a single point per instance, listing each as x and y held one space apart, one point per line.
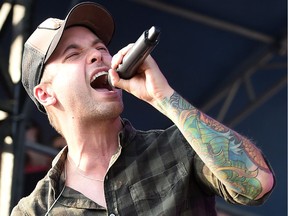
90 188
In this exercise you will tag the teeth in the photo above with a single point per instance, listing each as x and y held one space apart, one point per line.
98 75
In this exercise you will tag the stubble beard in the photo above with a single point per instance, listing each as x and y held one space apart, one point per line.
103 112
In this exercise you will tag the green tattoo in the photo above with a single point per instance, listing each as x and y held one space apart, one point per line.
230 156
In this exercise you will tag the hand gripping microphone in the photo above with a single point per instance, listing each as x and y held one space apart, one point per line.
138 52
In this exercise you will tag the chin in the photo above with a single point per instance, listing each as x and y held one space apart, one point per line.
111 111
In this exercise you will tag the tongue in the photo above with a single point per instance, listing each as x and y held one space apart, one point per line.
102 90
101 82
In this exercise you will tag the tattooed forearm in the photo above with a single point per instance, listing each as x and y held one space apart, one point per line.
231 157
179 103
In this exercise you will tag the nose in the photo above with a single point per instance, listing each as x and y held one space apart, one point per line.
94 56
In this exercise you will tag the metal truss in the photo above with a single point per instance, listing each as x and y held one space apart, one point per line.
244 73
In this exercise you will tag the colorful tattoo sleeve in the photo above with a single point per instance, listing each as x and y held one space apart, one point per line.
231 157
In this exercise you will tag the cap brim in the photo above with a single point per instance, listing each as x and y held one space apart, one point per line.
88 14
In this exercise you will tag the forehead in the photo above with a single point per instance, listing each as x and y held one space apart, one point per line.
78 36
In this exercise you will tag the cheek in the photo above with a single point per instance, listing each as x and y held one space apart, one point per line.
107 58
68 79
66 90
68 74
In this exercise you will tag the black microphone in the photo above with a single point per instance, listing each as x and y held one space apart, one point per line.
138 52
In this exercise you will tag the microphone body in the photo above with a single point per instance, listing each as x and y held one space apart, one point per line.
139 51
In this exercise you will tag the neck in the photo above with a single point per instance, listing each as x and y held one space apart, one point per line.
74 170
91 148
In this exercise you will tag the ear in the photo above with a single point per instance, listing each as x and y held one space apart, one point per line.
45 94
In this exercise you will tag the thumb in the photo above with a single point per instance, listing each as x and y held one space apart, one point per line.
115 80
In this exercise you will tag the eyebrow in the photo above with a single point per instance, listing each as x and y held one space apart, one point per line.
71 46
75 46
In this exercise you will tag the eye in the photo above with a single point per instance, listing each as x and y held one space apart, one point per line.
102 48
71 55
